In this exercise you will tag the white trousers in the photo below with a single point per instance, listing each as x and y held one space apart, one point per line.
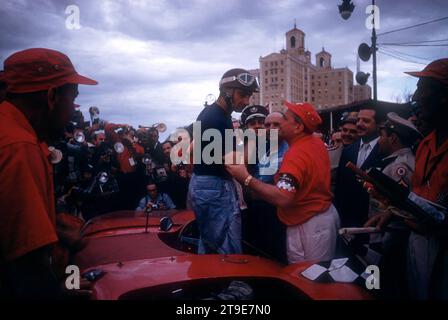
314 239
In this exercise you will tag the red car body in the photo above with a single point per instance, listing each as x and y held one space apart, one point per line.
135 264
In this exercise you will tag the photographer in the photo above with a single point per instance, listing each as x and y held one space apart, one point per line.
98 137
104 159
92 196
75 151
130 152
95 120
177 185
155 200
129 155
153 146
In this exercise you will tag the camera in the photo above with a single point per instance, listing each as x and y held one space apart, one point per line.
105 149
122 130
149 209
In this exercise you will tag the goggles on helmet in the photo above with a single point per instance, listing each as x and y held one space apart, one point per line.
246 79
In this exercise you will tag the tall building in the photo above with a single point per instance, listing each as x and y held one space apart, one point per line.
255 98
290 74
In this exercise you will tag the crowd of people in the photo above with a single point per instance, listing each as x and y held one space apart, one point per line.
53 162
108 167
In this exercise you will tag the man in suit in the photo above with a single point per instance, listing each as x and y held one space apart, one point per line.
153 147
351 200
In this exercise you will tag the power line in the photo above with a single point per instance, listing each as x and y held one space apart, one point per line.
417 45
412 42
406 54
400 58
413 26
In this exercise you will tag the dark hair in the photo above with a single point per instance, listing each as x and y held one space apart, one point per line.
407 142
168 141
95 134
152 129
379 116
151 182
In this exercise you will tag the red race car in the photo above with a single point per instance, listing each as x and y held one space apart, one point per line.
132 255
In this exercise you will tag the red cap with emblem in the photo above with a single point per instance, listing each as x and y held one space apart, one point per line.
39 69
306 112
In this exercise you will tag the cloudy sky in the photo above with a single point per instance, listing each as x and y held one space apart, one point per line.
157 60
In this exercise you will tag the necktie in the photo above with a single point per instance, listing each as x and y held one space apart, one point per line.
363 154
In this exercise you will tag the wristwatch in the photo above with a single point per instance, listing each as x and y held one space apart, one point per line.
248 180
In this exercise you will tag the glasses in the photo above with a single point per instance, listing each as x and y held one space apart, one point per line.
246 79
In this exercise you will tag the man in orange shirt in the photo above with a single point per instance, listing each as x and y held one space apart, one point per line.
42 85
428 244
302 193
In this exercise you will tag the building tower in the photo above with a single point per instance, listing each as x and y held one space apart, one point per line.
295 41
323 60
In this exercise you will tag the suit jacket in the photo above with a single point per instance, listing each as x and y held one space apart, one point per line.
351 199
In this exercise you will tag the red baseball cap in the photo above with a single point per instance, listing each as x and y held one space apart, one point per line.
437 70
306 112
39 69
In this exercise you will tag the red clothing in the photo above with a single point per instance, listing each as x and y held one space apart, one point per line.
430 179
110 133
308 161
127 159
27 218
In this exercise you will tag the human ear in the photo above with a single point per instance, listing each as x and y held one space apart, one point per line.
394 138
299 128
51 98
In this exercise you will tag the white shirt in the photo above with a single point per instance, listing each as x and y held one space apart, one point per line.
364 151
